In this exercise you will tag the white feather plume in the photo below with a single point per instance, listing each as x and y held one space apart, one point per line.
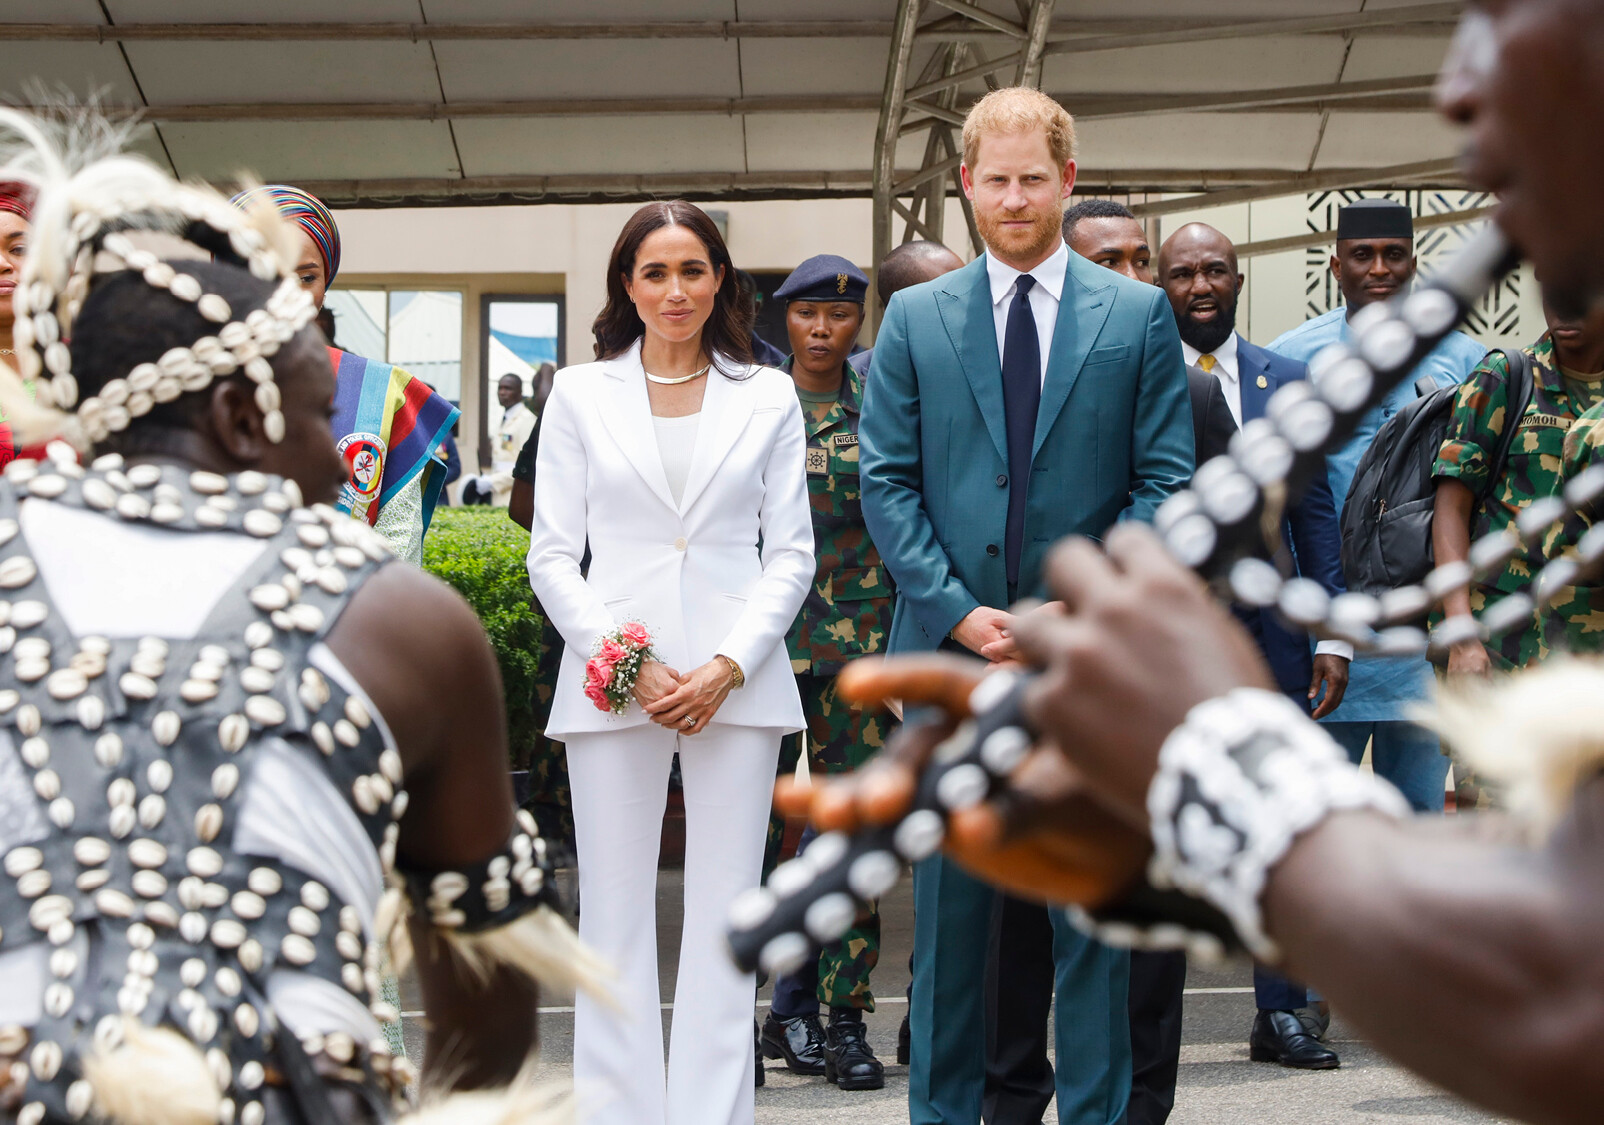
542 946
153 1076
524 1102
281 236
32 422
75 161
1538 734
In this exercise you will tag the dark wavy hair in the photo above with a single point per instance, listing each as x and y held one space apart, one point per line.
728 331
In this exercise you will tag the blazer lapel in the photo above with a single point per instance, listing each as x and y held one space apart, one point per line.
726 408
1251 368
626 411
1082 309
966 313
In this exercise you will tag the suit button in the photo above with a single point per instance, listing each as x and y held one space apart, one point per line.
679 544
1002 481
991 549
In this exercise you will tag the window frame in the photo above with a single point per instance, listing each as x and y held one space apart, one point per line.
560 300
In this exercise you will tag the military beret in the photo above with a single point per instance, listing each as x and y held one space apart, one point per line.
824 277
1375 218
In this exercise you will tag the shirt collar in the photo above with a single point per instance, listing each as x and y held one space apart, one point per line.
1225 354
1049 275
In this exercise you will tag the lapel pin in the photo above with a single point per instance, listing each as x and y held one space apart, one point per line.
1263 382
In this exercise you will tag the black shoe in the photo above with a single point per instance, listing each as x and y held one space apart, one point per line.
904 1042
799 1041
1280 1037
757 1056
1316 1019
848 1060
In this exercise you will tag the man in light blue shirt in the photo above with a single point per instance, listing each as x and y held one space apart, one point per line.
1375 260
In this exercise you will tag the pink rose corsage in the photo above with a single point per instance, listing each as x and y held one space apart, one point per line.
615 661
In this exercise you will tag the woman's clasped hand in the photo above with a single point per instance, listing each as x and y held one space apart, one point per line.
686 702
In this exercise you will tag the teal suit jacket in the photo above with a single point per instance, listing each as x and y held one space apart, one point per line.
1113 437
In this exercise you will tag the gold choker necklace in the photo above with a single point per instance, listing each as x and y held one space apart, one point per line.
659 379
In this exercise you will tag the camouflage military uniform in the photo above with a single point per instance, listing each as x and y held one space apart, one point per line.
1534 471
1574 620
846 614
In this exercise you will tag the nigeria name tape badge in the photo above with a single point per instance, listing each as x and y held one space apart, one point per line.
364 472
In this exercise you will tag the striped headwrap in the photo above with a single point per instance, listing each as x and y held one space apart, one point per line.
16 197
307 210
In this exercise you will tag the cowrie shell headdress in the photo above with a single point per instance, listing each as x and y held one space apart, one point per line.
90 198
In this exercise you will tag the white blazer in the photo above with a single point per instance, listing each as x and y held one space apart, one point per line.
693 573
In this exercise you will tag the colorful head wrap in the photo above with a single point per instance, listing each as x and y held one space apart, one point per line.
305 209
16 197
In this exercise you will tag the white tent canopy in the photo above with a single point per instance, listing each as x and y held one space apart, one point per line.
391 101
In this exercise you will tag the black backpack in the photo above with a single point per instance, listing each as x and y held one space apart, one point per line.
1386 518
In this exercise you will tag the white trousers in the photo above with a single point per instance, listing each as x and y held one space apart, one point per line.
619 781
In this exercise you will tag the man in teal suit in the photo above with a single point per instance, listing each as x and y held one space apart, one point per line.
1028 396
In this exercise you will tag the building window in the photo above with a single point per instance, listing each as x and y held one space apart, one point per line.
419 330
520 334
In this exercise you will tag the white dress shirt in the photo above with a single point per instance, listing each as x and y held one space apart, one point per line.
1044 297
1225 370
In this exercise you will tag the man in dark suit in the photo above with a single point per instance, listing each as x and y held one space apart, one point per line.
1027 396
1212 422
1107 234
1198 269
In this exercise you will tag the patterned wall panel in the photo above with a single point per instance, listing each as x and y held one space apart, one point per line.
1496 318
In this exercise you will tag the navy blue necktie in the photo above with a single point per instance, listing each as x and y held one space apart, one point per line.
1021 378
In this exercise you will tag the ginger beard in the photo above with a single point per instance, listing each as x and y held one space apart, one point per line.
1020 243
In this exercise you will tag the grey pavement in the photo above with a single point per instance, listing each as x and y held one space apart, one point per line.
1218 1084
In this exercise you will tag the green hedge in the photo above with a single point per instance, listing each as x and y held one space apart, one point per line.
480 552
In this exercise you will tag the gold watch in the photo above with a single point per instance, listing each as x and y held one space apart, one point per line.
735 670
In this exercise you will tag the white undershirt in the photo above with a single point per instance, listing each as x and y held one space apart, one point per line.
1226 372
676 442
1043 296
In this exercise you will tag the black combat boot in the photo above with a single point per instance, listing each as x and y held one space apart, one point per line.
799 1041
848 1060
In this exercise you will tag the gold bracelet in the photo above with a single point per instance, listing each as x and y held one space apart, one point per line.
735 671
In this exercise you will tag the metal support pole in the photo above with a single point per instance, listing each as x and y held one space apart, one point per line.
1041 20
935 96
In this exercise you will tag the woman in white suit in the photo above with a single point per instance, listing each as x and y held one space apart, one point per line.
674 457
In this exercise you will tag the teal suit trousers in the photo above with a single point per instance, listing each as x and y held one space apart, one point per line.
947 1071
1113 439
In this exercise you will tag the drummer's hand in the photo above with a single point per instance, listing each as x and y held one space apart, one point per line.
1141 642
1044 838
